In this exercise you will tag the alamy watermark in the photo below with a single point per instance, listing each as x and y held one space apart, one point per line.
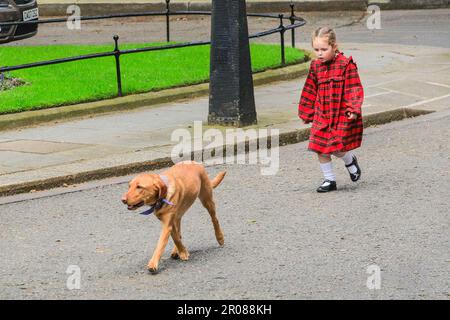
74 280
235 146
374 20
374 280
74 19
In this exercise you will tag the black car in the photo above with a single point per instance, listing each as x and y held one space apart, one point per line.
17 11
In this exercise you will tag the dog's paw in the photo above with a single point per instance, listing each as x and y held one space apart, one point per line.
220 239
184 255
174 254
152 268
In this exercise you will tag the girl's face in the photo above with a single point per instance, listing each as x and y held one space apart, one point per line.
324 51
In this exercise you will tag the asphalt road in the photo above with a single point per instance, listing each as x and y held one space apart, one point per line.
282 239
403 27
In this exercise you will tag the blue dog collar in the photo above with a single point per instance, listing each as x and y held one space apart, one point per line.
158 205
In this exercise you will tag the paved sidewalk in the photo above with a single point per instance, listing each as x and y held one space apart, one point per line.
394 77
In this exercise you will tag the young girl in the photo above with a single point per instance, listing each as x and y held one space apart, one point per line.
331 100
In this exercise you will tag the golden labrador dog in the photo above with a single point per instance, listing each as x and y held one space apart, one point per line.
170 194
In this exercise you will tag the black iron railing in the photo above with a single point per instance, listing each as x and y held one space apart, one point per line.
294 20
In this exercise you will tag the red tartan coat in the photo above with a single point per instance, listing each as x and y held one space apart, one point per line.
331 90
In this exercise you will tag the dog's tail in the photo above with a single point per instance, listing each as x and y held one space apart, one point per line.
218 179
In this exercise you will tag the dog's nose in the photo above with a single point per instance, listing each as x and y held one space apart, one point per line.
124 200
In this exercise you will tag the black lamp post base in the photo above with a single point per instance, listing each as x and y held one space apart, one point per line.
231 93
238 121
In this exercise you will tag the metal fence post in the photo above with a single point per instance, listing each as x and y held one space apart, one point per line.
168 20
282 31
292 22
117 56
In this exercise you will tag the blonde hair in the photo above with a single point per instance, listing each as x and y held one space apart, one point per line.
325 32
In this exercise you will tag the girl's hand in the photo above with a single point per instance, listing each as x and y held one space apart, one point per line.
351 115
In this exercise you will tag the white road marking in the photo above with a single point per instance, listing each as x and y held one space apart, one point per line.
427 101
385 82
377 94
404 93
438 84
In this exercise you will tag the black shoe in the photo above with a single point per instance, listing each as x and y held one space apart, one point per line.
327 186
355 176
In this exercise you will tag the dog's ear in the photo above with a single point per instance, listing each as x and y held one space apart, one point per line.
162 189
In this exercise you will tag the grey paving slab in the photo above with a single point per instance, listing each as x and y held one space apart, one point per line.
31 175
29 161
5 169
37 146
391 100
437 78
374 91
113 161
420 88
437 104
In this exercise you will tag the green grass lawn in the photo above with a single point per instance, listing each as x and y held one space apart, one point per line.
95 79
